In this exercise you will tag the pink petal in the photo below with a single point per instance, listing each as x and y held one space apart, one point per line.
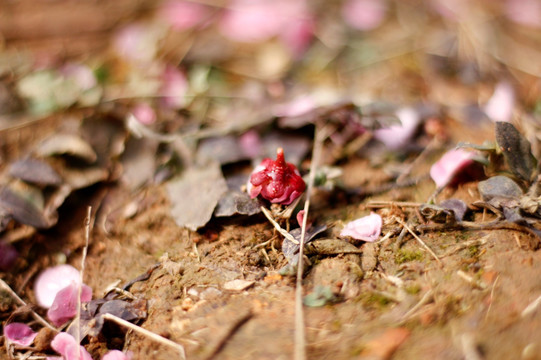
65 345
450 165
397 137
136 42
64 306
20 334
51 281
367 228
296 107
501 105
174 88
144 113
297 36
251 20
83 75
116 355
250 143
182 15
525 12
364 14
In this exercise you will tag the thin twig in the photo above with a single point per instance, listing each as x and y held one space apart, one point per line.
81 274
277 226
300 336
492 297
230 332
424 300
471 280
383 204
38 318
147 333
530 309
420 241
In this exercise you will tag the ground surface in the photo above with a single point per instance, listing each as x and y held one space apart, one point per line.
392 299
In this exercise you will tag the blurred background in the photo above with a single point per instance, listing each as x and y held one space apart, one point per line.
160 57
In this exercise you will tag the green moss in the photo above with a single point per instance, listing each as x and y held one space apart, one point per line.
374 300
413 289
404 256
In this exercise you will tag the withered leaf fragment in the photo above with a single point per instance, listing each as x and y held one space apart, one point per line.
35 171
516 150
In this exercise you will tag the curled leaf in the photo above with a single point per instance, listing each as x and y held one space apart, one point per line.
61 144
499 186
516 150
35 171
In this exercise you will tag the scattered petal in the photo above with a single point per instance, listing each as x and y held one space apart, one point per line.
367 228
250 143
251 21
183 15
51 281
67 346
81 74
444 171
20 334
525 12
137 43
259 20
116 355
64 306
364 14
276 180
144 113
396 137
173 89
501 105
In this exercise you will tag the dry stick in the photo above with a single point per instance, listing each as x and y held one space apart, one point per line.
147 333
81 273
38 318
420 241
530 309
491 297
300 336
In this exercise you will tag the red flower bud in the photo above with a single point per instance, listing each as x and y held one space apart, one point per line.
276 180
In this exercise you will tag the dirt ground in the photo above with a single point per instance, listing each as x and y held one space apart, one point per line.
390 299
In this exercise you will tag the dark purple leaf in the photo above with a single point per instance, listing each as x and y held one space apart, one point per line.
8 256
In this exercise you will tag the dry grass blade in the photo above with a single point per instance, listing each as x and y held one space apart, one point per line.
83 261
300 339
38 318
